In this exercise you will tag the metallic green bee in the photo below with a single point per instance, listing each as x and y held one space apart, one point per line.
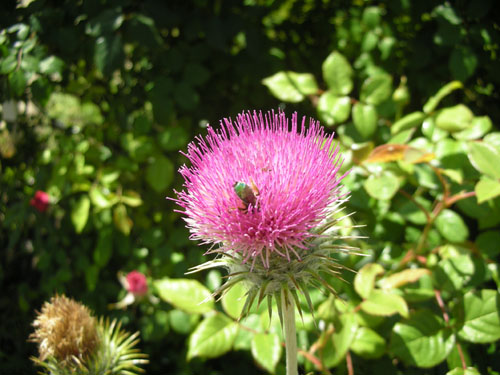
247 193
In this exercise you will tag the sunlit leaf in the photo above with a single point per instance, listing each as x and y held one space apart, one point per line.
384 304
433 102
479 317
422 340
337 73
404 277
213 337
80 213
364 117
485 158
368 344
291 86
266 350
364 282
486 189
186 294
382 186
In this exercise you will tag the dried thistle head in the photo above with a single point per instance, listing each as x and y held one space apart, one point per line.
64 330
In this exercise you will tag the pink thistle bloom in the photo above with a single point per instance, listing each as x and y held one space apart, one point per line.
40 201
136 283
290 171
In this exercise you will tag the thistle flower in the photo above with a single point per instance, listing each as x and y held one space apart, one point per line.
40 201
64 329
264 192
70 340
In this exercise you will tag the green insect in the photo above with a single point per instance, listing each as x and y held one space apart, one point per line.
247 193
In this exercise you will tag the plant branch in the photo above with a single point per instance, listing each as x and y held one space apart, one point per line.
446 318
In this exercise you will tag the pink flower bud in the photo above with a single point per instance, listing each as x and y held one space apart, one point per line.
137 283
40 201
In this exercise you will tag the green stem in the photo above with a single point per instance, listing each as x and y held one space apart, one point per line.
288 309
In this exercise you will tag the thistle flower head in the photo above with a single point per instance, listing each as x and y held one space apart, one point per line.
64 329
71 341
258 187
264 192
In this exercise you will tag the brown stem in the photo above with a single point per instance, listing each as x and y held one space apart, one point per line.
461 354
446 187
350 368
314 360
446 318
442 306
458 197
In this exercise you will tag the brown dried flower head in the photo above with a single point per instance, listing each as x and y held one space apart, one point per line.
64 329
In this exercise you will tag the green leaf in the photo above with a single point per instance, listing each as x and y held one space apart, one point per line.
454 119
485 158
451 226
383 303
266 350
250 326
213 337
401 278
17 81
99 199
333 109
290 86
108 53
461 371
479 316
376 89
486 189
160 174
432 132
91 277
409 121
131 198
480 126
453 273
185 294
51 65
493 139
121 219
383 186
433 102
371 16
80 213
462 63
182 322
364 282
368 344
234 300
104 248
337 73
8 64
489 243
422 340
106 22
365 119
336 348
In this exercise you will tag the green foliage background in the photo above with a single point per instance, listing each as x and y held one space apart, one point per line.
99 96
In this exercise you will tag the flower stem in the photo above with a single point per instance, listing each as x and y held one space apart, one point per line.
288 309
